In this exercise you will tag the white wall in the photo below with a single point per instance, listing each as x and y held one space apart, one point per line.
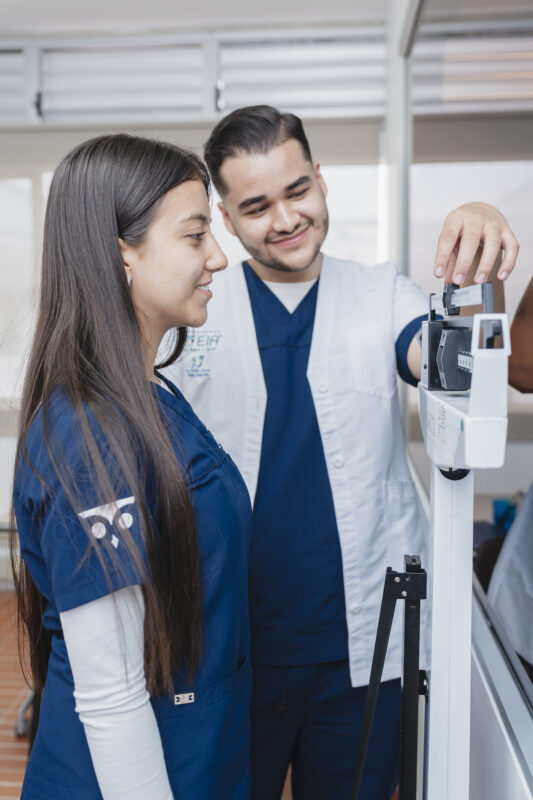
7 460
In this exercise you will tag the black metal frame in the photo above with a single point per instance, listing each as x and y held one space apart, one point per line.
410 586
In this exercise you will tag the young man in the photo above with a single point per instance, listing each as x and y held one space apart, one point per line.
295 374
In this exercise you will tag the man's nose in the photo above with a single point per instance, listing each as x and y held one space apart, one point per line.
285 218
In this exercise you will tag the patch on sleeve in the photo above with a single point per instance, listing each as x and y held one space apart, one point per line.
109 519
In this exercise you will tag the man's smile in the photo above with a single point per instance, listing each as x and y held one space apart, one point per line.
292 239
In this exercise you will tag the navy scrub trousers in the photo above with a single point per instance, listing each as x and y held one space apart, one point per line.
206 742
311 717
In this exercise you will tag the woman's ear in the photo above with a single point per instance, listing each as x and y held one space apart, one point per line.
125 251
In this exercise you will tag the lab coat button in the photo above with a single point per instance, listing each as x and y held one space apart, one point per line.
323 387
355 609
338 462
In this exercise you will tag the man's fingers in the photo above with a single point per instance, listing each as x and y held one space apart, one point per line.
448 275
511 248
465 230
468 248
449 235
491 249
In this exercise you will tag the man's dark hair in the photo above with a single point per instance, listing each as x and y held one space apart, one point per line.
253 129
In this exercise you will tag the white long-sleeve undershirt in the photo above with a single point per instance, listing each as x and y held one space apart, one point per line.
105 645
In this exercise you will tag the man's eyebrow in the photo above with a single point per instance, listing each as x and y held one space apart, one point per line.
251 201
298 182
260 198
195 218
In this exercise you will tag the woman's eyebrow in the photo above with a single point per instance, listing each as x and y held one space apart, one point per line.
195 218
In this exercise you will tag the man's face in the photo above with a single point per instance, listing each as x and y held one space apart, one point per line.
275 203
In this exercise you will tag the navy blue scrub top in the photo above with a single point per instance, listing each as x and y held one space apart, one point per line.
206 743
297 607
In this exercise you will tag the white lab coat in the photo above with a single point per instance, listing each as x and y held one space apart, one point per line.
352 373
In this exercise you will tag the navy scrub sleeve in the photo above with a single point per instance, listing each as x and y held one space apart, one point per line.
69 543
205 741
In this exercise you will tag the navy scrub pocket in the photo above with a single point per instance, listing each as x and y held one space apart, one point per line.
207 742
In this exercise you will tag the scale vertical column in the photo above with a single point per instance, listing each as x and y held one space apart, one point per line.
448 722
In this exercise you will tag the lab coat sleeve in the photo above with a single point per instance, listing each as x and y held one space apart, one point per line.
409 302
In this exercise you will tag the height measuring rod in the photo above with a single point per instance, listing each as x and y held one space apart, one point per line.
463 414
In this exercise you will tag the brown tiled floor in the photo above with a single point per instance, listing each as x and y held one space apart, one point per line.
13 691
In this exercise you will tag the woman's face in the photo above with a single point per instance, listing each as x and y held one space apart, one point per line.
172 269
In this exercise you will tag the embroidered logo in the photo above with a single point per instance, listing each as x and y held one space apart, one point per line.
109 519
199 344
197 364
182 699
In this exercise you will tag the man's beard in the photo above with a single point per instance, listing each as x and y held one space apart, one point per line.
277 264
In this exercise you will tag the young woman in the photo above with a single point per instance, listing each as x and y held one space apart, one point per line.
133 522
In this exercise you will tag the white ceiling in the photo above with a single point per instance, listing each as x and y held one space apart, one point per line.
35 17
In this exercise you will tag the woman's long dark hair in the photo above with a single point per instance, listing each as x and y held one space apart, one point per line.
88 343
